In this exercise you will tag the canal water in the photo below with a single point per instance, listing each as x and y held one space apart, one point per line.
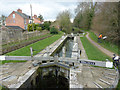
66 49
52 77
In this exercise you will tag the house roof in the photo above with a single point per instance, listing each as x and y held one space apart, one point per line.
23 15
14 27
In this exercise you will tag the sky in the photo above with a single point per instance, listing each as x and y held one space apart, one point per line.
49 9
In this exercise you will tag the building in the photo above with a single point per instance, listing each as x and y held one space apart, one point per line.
36 20
17 18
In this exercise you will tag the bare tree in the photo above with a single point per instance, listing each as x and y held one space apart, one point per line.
84 15
64 22
106 20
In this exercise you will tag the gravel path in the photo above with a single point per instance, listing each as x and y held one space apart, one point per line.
107 52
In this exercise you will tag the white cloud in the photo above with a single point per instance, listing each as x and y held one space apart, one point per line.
49 9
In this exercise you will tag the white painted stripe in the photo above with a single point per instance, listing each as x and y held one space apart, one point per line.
111 74
97 85
109 78
104 81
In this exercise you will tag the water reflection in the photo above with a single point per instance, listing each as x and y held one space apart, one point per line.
66 49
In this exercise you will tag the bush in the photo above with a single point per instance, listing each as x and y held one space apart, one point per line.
29 27
46 25
35 27
39 29
53 30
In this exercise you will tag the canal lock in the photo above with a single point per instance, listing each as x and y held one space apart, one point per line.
53 76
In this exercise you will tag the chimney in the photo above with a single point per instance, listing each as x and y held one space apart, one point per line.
19 10
35 16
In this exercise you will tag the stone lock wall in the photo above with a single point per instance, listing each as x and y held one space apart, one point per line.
34 79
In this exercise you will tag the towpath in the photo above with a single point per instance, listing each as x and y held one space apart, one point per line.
107 52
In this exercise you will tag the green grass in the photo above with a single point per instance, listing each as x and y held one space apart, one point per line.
3 88
23 41
0 87
110 46
40 45
118 86
93 52
11 61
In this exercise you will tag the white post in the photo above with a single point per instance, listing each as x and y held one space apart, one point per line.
64 51
31 51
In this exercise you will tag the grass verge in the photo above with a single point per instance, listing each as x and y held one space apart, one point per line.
110 46
93 52
118 86
12 61
38 46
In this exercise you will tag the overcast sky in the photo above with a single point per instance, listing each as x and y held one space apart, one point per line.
48 8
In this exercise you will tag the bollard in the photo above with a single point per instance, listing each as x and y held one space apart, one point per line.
73 63
31 51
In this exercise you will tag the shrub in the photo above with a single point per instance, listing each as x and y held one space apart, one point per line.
53 30
46 25
29 27
35 27
39 29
